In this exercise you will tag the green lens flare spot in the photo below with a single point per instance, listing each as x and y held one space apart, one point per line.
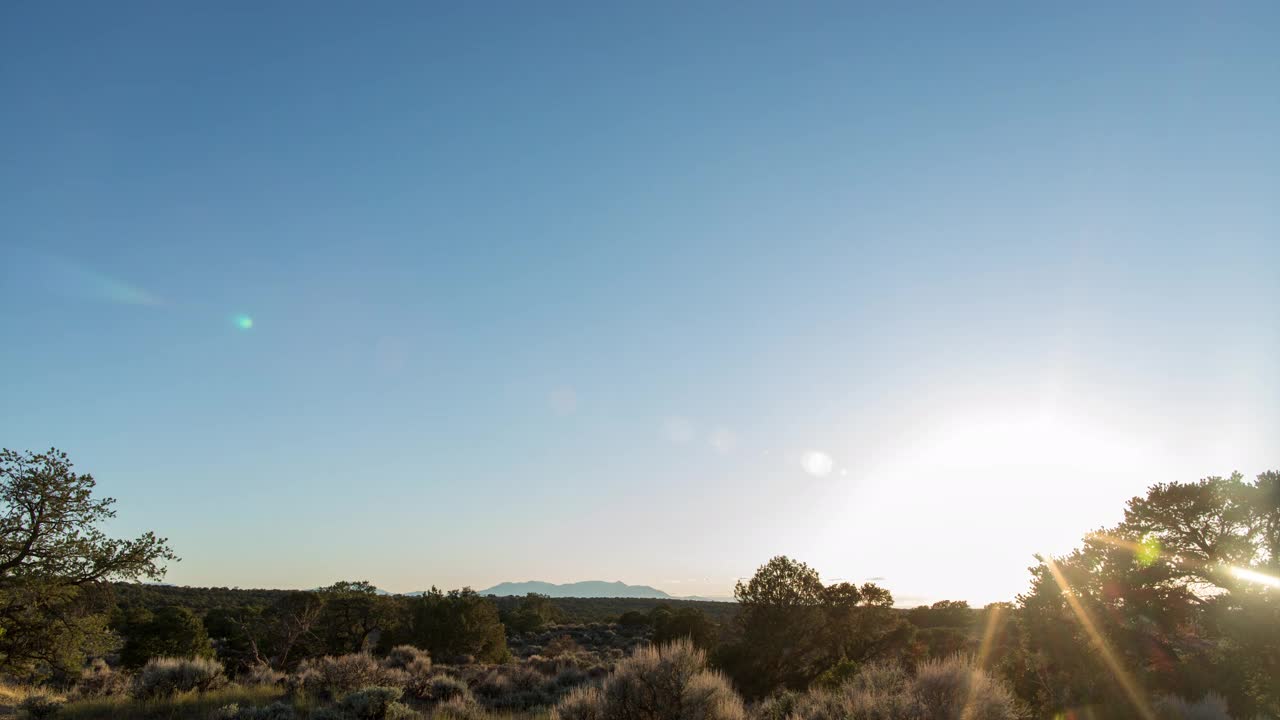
1148 551
244 322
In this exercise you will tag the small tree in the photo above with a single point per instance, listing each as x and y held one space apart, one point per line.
55 562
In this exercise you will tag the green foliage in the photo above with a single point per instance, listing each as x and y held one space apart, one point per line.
458 625
685 622
169 632
532 613
54 563
353 613
838 674
792 627
1180 620
780 620
633 619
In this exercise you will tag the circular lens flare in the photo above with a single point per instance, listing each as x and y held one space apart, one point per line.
817 463
244 322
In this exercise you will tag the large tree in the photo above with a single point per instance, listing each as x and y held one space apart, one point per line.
54 563
1173 599
458 626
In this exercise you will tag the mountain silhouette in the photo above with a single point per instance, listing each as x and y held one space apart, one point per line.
586 588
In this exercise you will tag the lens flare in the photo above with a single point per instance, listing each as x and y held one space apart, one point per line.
969 710
244 322
817 463
1109 657
1148 551
1254 576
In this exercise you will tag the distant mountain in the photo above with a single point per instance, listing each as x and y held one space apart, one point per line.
585 589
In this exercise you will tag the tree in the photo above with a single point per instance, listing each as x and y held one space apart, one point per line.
458 625
861 623
169 632
682 623
353 614
55 562
1164 602
240 633
290 631
533 612
780 620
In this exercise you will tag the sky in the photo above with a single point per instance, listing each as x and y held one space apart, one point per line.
454 294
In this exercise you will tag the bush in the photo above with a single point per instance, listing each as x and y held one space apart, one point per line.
375 703
562 645
460 709
40 706
100 680
837 675
274 711
165 676
333 676
941 690
953 688
1211 707
260 674
658 682
582 703
408 657
445 688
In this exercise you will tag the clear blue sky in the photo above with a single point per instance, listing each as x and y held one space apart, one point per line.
647 293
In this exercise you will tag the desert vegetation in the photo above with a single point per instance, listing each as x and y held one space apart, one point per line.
1172 614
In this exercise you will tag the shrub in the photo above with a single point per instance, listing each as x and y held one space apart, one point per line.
668 681
941 690
260 674
879 678
582 703
100 680
561 645
408 657
445 688
375 703
837 675
333 676
40 706
1210 707
460 709
781 706
953 688
165 676
274 711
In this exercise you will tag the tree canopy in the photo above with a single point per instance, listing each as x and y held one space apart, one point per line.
55 560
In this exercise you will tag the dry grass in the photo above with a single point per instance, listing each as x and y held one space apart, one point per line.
12 695
181 706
